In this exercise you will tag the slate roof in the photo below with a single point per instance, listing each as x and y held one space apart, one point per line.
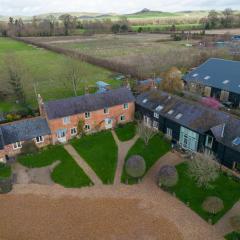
24 130
199 118
1 140
87 103
214 72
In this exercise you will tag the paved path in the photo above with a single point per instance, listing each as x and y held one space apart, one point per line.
171 158
83 164
223 225
123 148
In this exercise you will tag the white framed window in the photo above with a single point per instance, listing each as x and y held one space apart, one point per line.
87 115
159 108
125 106
17 145
87 127
122 118
188 139
209 141
156 115
73 131
155 125
66 120
169 132
39 139
106 110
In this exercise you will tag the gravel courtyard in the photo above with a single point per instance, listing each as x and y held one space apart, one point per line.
102 212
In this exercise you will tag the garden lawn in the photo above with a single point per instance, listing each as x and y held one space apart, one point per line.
233 236
100 152
5 171
156 148
67 173
187 191
126 132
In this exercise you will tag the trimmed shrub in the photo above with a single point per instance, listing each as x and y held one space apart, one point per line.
29 148
135 166
168 176
235 223
213 205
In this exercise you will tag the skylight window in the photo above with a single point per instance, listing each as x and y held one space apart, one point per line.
179 116
236 141
145 100
170 112
207 77
226 82
159 108
195 75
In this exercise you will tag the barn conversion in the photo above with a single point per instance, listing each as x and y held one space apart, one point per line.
216 78
193 126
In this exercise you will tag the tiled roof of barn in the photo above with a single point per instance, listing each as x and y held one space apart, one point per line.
1 140
87 103
217 73
24 130
194 116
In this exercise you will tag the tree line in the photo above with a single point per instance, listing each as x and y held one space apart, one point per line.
63 25
225 19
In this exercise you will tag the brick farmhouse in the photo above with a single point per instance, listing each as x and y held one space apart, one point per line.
59 120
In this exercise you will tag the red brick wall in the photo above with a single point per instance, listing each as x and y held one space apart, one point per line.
96 121
12 152
2 154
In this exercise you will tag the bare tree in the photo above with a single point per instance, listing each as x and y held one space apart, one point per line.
145 133
15 77
204 169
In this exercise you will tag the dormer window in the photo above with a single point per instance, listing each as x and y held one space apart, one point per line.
207 77
170 112
195 75
145 100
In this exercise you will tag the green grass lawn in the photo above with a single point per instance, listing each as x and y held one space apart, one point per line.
126 132
5 171
100 152
233 236
167 27
48 71
187 191
67 173
156 148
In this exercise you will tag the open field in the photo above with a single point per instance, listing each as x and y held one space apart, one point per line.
146 54
46 70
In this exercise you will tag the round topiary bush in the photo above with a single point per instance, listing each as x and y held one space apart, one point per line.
168 176
135 166
213 205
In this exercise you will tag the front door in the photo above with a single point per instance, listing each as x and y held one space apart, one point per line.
61 135
108 123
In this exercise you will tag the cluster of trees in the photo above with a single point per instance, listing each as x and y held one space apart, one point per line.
63 25
39 27
226 19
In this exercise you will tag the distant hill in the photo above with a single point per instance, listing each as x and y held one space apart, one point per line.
144 13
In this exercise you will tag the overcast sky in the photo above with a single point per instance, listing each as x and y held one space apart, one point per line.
34 7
